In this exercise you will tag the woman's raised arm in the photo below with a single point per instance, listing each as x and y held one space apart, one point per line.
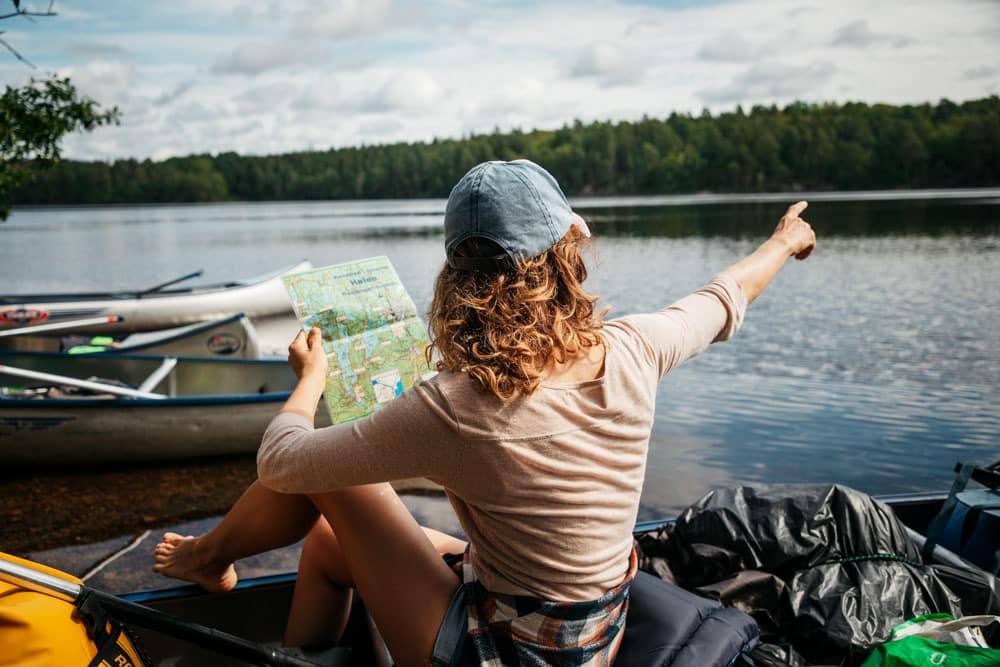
793 237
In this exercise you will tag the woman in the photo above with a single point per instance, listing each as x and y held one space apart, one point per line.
536 425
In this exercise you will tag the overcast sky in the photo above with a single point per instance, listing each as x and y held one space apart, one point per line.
262 77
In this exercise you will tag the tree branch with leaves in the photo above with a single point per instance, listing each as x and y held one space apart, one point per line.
35 116
33 119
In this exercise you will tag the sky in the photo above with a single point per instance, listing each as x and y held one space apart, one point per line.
260 77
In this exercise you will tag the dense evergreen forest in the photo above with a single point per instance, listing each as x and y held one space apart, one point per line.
802 146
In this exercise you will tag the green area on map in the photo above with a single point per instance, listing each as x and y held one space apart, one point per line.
372 335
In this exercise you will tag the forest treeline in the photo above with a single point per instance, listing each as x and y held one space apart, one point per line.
801 146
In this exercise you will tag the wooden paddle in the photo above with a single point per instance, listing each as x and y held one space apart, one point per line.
157 288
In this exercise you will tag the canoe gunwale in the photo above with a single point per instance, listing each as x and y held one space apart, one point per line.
122 295
7 402
264 297
153 594
148 357
170 401
182 333
641 527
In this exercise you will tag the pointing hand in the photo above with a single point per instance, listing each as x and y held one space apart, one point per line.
795 232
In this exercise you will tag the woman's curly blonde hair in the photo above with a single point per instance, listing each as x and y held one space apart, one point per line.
504 328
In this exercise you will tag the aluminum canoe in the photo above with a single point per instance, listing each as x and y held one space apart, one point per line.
210 407
146 311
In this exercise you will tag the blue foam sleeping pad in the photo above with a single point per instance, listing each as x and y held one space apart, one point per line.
669 626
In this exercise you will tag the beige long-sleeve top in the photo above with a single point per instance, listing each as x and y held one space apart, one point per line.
545 486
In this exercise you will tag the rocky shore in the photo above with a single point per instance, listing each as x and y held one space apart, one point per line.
62 507
58 507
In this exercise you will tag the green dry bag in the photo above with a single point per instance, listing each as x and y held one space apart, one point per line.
937 640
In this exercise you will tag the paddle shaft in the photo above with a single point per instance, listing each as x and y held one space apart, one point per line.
75 382
56 326
157 288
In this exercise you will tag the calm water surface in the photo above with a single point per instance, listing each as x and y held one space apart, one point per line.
874 363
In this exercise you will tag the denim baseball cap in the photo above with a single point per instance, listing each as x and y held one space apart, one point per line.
517 205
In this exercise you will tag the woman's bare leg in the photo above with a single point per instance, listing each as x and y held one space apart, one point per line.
321 603
395 567
392 562
260 520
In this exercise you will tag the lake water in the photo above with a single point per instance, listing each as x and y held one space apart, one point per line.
874 363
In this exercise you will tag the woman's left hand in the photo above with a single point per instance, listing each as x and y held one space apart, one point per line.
307 356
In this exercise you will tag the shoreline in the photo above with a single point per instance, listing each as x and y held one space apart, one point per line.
43 509
590 200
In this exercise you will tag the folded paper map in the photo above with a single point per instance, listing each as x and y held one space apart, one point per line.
373 337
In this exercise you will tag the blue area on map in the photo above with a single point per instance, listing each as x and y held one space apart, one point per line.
327 330
370 341
342 347
399 387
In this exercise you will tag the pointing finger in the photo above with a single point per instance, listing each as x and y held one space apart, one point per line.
795 210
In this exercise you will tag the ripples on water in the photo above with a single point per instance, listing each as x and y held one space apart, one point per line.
873 363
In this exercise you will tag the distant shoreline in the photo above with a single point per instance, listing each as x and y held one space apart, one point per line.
807 147
596 201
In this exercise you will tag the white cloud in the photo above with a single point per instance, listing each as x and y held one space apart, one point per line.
320 97
258 57
248 13
340 18
194 112
730 47
266 97
406 91
608 63
983 72
267 77
773 82
599 58
104 79
172 95
86 49
375 131
313 31
857 33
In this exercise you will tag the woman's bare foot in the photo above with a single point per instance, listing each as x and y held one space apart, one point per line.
178 557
